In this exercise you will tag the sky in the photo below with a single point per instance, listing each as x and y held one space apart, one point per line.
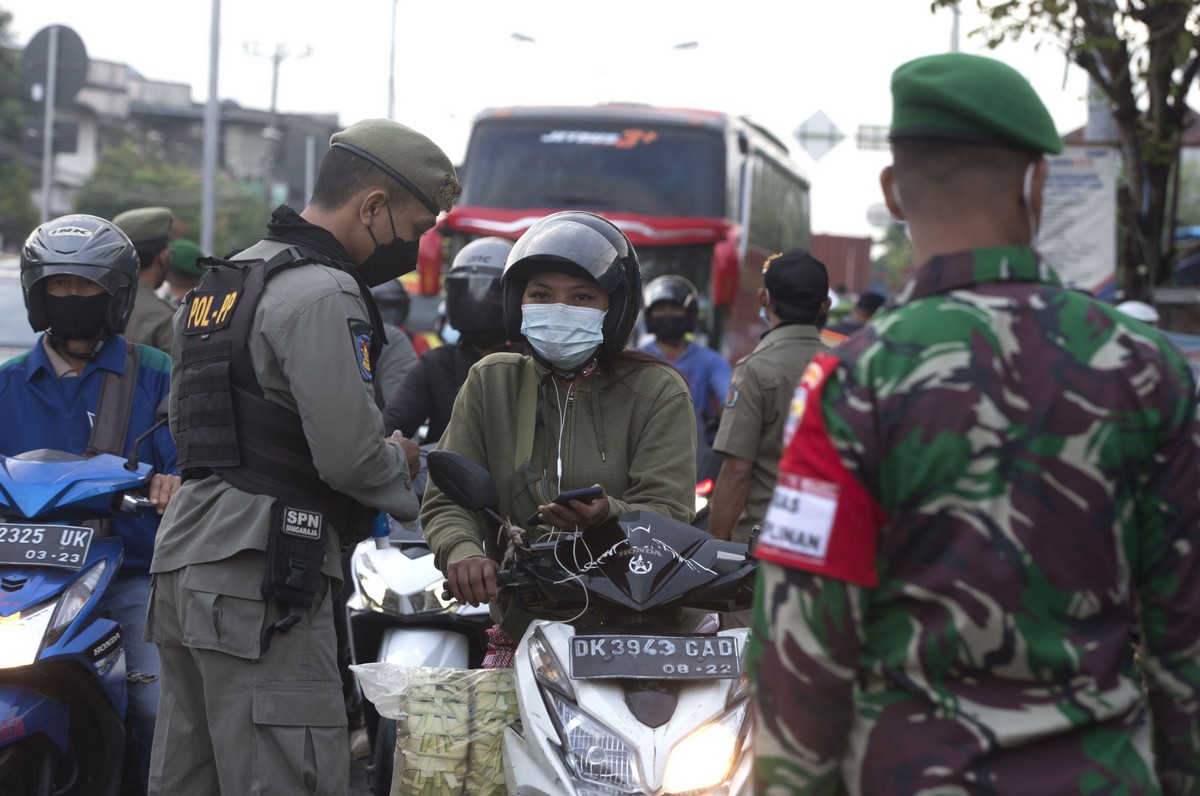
777 61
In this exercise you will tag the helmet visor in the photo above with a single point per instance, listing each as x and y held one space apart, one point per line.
109 279
572 243
473 301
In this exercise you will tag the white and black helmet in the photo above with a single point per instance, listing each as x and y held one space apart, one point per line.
473 286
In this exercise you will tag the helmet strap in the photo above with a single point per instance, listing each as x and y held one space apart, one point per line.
59 344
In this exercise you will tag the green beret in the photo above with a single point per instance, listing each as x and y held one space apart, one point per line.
144 224
406 156
184 254
972 99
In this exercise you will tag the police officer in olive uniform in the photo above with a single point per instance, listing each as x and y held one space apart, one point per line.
794 299
149 228
283 453
183 270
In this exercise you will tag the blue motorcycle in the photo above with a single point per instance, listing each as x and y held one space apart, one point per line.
62 661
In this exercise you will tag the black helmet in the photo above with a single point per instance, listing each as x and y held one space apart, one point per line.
393 302
473 286
591 244
85 246
673 290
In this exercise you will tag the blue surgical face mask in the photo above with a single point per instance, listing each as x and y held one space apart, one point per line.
564 337
762 313
449 334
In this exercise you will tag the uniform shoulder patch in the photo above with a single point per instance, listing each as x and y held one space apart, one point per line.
360 336
731 397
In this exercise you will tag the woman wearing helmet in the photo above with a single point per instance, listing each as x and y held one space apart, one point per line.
472 288
580 410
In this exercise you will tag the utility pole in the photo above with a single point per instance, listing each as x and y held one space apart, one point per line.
956 12
273 133
212 111
277 58
392 68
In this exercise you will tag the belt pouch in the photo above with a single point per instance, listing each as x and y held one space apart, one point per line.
295 553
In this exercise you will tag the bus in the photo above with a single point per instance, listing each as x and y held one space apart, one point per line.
701 194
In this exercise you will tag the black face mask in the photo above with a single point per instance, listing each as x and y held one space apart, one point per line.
77 317
389 260
668 328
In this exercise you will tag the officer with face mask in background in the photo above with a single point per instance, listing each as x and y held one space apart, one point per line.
794 301
284 459
581 410
150 230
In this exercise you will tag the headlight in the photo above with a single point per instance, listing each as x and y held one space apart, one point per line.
594 754
21 635
74 598
546 668
706 757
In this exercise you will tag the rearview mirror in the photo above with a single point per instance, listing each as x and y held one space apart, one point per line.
463 481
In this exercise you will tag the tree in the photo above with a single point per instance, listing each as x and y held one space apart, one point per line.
132 175
896 261
1188 213
1144 55
18 215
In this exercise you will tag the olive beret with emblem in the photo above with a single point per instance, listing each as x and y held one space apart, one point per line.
184 254
145 224
406 156
972 99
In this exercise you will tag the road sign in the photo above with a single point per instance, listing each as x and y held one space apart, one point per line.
817 135
72 65
873 136
64 139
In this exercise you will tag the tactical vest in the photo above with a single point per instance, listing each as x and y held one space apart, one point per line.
224 424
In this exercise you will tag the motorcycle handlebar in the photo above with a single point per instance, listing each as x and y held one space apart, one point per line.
504 579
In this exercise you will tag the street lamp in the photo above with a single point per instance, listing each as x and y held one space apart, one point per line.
392 68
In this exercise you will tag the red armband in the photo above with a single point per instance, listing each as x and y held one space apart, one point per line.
821 519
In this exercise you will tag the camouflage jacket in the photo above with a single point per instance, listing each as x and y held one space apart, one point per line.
994 491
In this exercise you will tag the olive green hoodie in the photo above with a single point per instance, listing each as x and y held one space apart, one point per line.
633 431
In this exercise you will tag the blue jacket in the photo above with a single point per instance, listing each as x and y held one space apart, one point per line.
40 410
707 375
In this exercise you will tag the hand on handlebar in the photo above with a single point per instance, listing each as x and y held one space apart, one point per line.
472 580
162 489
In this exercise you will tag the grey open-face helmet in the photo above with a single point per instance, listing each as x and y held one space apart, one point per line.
86 246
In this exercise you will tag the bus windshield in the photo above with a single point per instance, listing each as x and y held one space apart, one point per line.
590 165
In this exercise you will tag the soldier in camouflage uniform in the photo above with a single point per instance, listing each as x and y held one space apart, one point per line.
985 497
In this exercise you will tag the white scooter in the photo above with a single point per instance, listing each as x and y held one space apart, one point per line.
397 614
620 701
